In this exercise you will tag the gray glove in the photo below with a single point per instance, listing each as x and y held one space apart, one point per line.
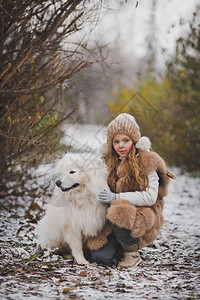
106 197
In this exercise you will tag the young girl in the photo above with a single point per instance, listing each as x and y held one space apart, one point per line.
138 181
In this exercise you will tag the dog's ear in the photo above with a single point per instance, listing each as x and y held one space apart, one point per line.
99 163
103 150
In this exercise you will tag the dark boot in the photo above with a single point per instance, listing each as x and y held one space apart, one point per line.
129 245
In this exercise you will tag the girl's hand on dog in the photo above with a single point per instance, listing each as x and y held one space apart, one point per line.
106 197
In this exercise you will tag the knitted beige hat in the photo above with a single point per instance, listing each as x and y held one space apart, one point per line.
126 124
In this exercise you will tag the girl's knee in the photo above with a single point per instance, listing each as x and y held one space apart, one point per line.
105 255
101 258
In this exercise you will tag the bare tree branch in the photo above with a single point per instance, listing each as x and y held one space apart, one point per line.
34 67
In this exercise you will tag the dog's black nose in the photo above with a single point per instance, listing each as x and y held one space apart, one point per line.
58 183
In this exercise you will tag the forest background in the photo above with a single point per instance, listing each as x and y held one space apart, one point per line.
56 69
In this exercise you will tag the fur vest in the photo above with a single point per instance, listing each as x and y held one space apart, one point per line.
143 222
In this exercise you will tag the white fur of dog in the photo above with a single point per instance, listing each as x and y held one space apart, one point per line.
75 212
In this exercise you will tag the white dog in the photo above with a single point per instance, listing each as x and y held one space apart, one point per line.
75 212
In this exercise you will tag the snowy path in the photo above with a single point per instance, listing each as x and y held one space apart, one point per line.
170 269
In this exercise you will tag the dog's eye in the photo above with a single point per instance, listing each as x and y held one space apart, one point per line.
72 172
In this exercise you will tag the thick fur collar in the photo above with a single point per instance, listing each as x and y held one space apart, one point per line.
153 162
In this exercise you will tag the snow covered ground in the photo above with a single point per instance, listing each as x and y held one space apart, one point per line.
170 268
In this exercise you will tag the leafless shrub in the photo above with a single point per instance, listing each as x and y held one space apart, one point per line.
43 45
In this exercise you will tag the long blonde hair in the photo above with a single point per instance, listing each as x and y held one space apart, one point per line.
133 169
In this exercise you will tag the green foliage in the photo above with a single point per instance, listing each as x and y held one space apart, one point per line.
168 109
184 75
